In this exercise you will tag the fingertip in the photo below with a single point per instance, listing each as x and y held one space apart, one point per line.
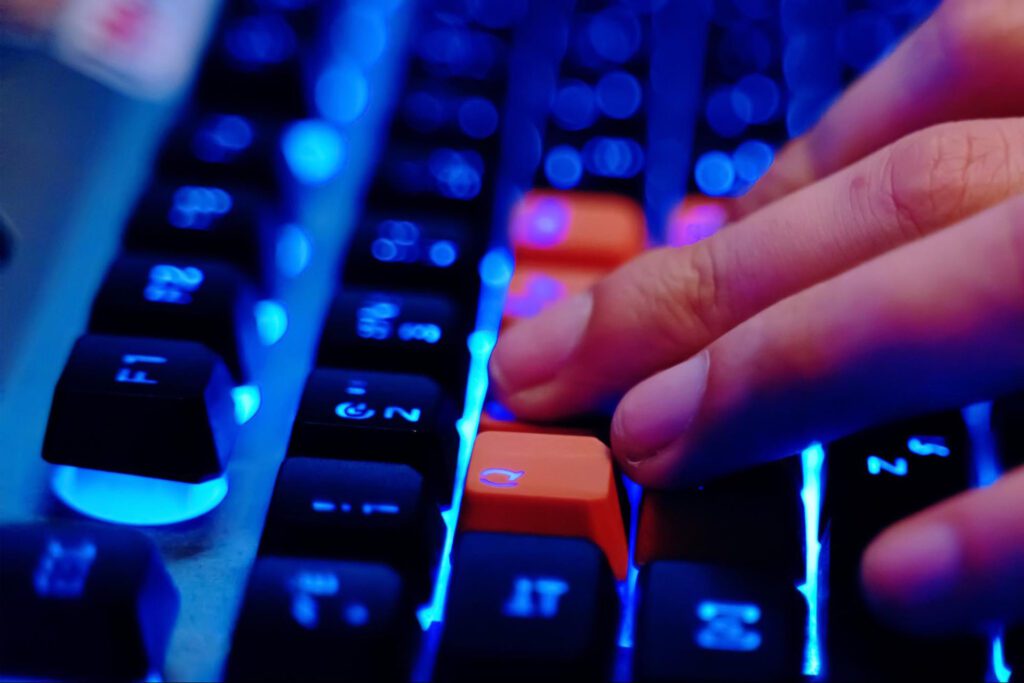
910 574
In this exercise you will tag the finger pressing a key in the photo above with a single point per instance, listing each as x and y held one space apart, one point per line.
894 337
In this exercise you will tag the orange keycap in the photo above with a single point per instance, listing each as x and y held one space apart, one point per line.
533 289
578 228
551 485
695 218
496 418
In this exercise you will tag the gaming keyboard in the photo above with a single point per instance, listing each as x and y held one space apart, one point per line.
245 426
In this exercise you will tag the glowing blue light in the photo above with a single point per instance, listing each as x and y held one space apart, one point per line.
293 250
260 39
722 116
247 399
615 34
480 343
563 167
810 64
619 94
575 106
363 33
1000 671
313 150
443 253
928 445
752 159
985 461
423 111
613 157
542 222
478 117
864 38
342 93
496 268
271 321
220 137
812 463
497 411
497 15
459 174
357 615
715 174
627 590
195 207
755 99
130 499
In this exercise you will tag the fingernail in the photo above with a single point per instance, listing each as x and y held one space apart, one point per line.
532 351
661 409
913 566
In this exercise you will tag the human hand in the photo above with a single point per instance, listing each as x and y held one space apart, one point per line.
876 272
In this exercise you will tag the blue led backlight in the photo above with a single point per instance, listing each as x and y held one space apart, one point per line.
342 92
615 34
130 499
293 250
313 150
247 399
752 159
361 32
478 117
458 174
721 114
271 321
755 99
613 157
443 253
563 167
195 207
619 94
575 106
542 222
715 174
812 464
260 39
221 137
496 268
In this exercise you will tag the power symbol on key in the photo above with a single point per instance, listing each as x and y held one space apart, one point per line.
501 478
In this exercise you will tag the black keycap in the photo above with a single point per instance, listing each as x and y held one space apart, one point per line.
751 520
358 511
397 332
152 407
362 415
200 221
421 252
1008 424
452 180
82 602
254 64
872 480
528 606
224 149
176 298
322 620
702 622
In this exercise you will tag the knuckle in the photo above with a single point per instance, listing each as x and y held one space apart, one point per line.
936 176
685 292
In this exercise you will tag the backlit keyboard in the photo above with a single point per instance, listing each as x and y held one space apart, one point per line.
246 429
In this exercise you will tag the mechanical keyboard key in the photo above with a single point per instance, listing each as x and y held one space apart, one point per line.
254 64
200 221
752 520
1008 425
397 332
151 407
82 602
702 622
533 289
544 484
362 415
576 228
222 149
322 620
872 480
357 511
182 299
422 252
528 606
